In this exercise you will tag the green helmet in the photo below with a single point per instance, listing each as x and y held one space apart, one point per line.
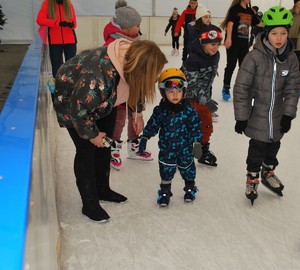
277 16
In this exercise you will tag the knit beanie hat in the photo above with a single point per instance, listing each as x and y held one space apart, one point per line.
202 11
126 16
210 34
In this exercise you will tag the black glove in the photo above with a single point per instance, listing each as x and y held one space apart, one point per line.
63 24
66 24
143 145
212 105
240 126
70 24
285 123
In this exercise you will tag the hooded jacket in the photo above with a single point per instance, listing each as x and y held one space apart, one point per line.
200 70
56 33
266 89
178 130
89 86
113 31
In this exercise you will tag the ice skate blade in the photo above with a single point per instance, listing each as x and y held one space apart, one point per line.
139 158
252 197
276 192
115 168
163 205
208 164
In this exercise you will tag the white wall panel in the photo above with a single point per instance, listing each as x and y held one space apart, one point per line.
21 26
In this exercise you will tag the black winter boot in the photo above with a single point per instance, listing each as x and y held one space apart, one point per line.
91 207
111 196
94 211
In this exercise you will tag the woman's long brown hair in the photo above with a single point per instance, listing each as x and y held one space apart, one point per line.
66 7
143 63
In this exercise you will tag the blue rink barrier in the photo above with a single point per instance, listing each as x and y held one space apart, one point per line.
21 172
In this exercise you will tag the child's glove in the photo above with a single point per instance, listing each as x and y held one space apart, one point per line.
285 123
143 145
212 105
240 126
197 150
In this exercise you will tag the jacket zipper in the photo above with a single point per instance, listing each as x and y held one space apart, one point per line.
272 99
61 28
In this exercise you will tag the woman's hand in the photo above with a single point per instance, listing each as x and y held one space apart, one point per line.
98 141
228 43
138 122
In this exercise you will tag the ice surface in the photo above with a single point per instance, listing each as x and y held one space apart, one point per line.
219 230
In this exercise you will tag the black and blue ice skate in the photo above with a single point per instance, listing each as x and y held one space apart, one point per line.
226 92
190 193
164 195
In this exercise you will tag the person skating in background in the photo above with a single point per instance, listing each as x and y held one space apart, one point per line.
200 70
87 90
265 99
175 39
60 19
255 30
178 126
126 24
187 16
203 18
294 32
238 19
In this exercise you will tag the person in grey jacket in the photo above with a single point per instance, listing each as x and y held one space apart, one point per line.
265 99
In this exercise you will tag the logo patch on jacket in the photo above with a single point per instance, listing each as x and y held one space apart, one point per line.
284 73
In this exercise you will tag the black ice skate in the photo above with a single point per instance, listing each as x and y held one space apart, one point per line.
190 193
164 195
208 157
251 186
270 180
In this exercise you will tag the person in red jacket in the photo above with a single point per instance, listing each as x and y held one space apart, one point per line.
60 19
187 16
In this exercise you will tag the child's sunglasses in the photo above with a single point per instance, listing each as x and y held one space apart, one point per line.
170 84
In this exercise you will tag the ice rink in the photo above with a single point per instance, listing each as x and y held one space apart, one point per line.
219 230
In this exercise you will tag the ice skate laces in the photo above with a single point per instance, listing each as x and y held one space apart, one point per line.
272 179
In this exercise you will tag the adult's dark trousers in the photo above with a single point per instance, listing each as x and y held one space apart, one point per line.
57 51
185 49
92 164
175 42
261 152
236 53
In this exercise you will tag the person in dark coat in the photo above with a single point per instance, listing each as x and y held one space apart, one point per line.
200 70
175 39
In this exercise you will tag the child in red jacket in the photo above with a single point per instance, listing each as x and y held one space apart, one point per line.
187 16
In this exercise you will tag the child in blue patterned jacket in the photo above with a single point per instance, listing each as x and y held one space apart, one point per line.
178 125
